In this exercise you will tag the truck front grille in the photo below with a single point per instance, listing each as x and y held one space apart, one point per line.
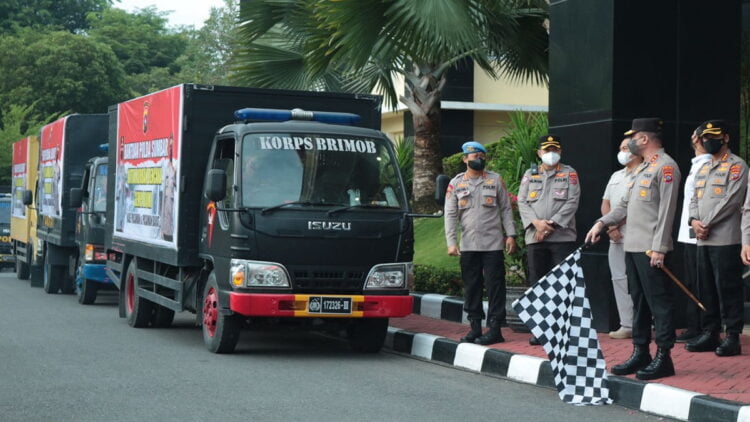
326 281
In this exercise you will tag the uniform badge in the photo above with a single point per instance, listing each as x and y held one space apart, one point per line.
560 175
643 193
699 193
449 190
668 173
654 158
718 190
700 183
734 172
463 203
573 178
489 200
532 194
463 185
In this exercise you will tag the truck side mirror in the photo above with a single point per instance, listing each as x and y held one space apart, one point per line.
441 186
76 198
216 185
28 197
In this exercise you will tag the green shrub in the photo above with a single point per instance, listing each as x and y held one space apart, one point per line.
428 278
453 164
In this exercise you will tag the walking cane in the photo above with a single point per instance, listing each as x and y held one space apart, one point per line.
679 284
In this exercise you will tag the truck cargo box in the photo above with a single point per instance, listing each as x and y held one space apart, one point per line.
24 172
65 147
159 148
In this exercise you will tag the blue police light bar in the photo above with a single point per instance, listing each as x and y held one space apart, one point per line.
104 148
277 115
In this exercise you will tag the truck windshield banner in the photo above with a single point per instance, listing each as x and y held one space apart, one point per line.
51 168
148 154
20 159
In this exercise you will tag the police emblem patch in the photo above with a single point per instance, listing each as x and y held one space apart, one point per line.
573 178
668 173
734 172
532 194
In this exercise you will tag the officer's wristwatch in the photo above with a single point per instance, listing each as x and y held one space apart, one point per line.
690 221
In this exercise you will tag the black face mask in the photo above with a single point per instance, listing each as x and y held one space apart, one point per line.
712 146
477 164
633 147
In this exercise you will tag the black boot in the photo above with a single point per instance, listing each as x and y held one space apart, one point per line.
476 331
640 359
707 342
660 367
730 346
493 334
534 341
688 335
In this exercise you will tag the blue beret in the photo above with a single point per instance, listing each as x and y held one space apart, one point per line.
473 146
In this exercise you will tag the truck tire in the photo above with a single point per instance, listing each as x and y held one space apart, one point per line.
221 332
87 292
52 275
68 285
138 310
162 317
22 269
367 335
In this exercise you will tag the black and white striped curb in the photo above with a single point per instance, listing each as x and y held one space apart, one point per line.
449 308
653 398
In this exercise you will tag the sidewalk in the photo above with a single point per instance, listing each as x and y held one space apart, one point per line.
705 388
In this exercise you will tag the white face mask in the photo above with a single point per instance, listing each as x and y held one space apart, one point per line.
550 158
624 157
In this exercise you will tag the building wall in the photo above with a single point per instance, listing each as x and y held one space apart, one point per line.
504 91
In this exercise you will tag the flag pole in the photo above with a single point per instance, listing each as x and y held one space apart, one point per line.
679 284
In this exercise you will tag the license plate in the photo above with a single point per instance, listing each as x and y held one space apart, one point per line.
329 305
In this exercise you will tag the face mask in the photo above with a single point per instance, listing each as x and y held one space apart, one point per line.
477 164
633 147
550 158
712 146
624 157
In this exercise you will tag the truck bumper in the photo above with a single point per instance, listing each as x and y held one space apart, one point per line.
7 258
291 305
94 272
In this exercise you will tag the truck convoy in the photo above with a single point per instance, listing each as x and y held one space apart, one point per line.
64 149
23 219
248 216
6 247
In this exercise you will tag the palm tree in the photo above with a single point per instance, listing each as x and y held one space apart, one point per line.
362 45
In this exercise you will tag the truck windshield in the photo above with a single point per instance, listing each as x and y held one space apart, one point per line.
5 211
334 170
99 202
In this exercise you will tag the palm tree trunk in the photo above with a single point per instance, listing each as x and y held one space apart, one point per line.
423 92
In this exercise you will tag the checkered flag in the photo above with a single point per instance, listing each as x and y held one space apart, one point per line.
558 313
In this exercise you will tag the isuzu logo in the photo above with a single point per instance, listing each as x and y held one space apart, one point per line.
329 225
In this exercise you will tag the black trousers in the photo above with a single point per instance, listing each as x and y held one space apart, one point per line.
721 289
692 312
652 299
478 267
542 257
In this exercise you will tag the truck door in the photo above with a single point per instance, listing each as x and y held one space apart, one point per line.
218 222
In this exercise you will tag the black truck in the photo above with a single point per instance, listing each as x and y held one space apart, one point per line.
237 205
64 148
91 201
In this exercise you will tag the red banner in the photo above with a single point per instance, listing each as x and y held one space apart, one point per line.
52 151
20 181
148 152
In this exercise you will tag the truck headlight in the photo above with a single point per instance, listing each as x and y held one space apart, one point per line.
245 273
390 276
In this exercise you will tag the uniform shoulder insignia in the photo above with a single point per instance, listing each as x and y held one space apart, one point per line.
667 174
573 178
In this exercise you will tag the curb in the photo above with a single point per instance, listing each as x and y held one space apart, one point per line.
654 398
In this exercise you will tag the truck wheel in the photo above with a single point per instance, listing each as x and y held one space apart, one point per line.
138 310
220 331
22 269
51 276
367 335
162 317
68 285
87 292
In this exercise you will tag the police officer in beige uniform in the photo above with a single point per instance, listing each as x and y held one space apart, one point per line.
547 201
650 208
478 200
715 216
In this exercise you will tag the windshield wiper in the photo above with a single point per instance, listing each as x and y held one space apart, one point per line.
266 210
348 207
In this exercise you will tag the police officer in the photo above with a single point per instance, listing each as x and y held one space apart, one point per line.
547 201
478 200
650 209
715 216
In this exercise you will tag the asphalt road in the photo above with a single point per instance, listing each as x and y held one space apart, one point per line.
61 361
